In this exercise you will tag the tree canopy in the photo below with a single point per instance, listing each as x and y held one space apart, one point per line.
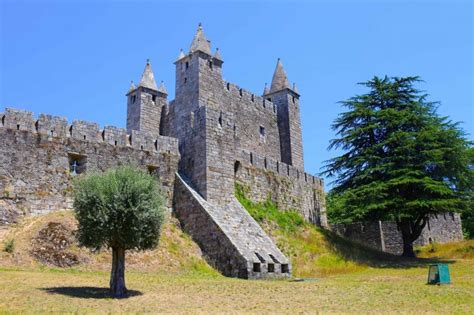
401 161
121 209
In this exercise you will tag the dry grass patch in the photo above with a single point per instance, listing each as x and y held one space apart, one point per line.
374 290
176 253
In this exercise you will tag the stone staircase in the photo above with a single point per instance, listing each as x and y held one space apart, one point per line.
229 237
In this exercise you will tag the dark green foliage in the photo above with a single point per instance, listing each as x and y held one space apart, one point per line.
468 214
121 208
401 160
268 211
9 246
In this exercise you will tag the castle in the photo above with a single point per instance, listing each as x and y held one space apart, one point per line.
210 137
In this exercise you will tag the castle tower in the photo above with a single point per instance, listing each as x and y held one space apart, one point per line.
289 123
201 123
198 69
145 103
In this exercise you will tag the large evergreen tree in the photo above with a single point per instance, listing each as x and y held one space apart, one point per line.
120 209
401 161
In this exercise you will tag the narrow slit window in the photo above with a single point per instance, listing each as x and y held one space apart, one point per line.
271 267
256 267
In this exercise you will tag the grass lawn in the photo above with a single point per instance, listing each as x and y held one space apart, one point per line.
343 277
378 290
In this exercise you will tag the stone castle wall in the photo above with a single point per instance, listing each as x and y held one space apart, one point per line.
287 186
36 158
251 113
385 236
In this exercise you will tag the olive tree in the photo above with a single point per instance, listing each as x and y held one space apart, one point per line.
120 209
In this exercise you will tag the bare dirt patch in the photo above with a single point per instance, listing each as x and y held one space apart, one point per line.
52 246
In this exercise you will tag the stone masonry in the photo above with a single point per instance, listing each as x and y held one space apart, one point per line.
386 237
40 157
213 136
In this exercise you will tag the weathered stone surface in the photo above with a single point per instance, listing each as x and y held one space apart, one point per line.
36 166
385 236
232 240
287 186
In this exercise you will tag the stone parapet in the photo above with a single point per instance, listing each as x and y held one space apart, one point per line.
55 126
248 158
242 95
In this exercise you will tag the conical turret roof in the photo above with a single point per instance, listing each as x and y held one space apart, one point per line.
280 80
181 55
265 89
200 42
148 78
132 87
217 55
162 88
295 89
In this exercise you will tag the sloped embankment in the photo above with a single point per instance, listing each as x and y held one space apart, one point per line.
314 252
49 240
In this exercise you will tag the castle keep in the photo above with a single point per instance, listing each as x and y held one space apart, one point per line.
212 136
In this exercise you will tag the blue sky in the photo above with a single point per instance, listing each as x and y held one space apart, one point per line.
76 58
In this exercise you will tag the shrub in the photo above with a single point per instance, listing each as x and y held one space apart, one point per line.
9 246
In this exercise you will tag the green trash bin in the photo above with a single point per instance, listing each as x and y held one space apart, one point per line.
439 274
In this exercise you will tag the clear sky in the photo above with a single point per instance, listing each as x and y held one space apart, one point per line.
76 58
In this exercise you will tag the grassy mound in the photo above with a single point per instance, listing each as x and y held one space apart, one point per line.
49 240
315 252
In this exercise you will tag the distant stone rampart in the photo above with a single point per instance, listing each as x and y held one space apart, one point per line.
385 236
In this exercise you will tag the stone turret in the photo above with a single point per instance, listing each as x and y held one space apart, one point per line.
145 103
289 122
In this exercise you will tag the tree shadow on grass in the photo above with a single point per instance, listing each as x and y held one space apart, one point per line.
361 254
87 292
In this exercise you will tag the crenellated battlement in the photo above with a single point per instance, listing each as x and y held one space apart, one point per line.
55 126
251 159
241 94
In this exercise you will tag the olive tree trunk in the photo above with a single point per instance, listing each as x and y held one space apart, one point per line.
117 276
